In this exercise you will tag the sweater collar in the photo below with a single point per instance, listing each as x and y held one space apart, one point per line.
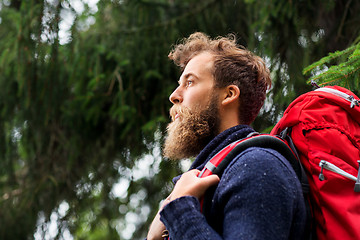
219 142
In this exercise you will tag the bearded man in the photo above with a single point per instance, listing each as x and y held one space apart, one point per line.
221 90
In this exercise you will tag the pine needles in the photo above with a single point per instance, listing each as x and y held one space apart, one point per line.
339 68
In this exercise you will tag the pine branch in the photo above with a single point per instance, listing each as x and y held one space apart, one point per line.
327 59
345 74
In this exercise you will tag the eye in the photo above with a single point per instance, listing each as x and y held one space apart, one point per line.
189 83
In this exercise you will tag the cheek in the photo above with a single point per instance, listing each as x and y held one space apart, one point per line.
197 99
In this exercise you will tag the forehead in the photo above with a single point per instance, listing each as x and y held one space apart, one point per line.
201 63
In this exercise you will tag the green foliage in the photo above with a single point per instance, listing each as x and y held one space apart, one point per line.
85 107
346 73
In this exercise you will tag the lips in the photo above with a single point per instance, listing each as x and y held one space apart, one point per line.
174 116
176 112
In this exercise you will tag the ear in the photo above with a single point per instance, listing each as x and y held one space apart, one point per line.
231 94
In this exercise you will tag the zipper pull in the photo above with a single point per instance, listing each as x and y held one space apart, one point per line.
321 175
314 84
357 184
353 101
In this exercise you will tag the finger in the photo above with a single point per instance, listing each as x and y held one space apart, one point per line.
205 183
210 180
194 172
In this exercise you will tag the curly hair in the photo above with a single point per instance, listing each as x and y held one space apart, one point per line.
233 65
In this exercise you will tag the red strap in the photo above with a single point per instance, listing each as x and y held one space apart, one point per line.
216 160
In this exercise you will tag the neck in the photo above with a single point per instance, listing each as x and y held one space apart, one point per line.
229 120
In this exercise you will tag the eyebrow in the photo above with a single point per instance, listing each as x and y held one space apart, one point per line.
186 76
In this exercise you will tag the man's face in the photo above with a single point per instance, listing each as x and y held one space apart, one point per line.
196 83
195 119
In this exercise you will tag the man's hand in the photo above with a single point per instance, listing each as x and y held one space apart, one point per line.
190 185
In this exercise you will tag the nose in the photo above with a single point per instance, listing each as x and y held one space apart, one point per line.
176 96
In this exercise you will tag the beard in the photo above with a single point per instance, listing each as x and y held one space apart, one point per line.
192 131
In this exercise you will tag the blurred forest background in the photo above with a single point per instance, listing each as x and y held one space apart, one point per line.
84 88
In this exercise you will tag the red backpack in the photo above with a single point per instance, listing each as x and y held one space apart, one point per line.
325 129
322 130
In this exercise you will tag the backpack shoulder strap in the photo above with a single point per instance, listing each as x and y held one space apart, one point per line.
221 160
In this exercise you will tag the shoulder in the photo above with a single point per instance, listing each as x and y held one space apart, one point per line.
253 188
259 159
261 168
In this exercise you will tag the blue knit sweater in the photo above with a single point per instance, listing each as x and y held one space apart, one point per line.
258 197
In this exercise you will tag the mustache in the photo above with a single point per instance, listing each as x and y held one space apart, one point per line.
178 110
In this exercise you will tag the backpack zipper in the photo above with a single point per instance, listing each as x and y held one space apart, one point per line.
347 97
333 168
